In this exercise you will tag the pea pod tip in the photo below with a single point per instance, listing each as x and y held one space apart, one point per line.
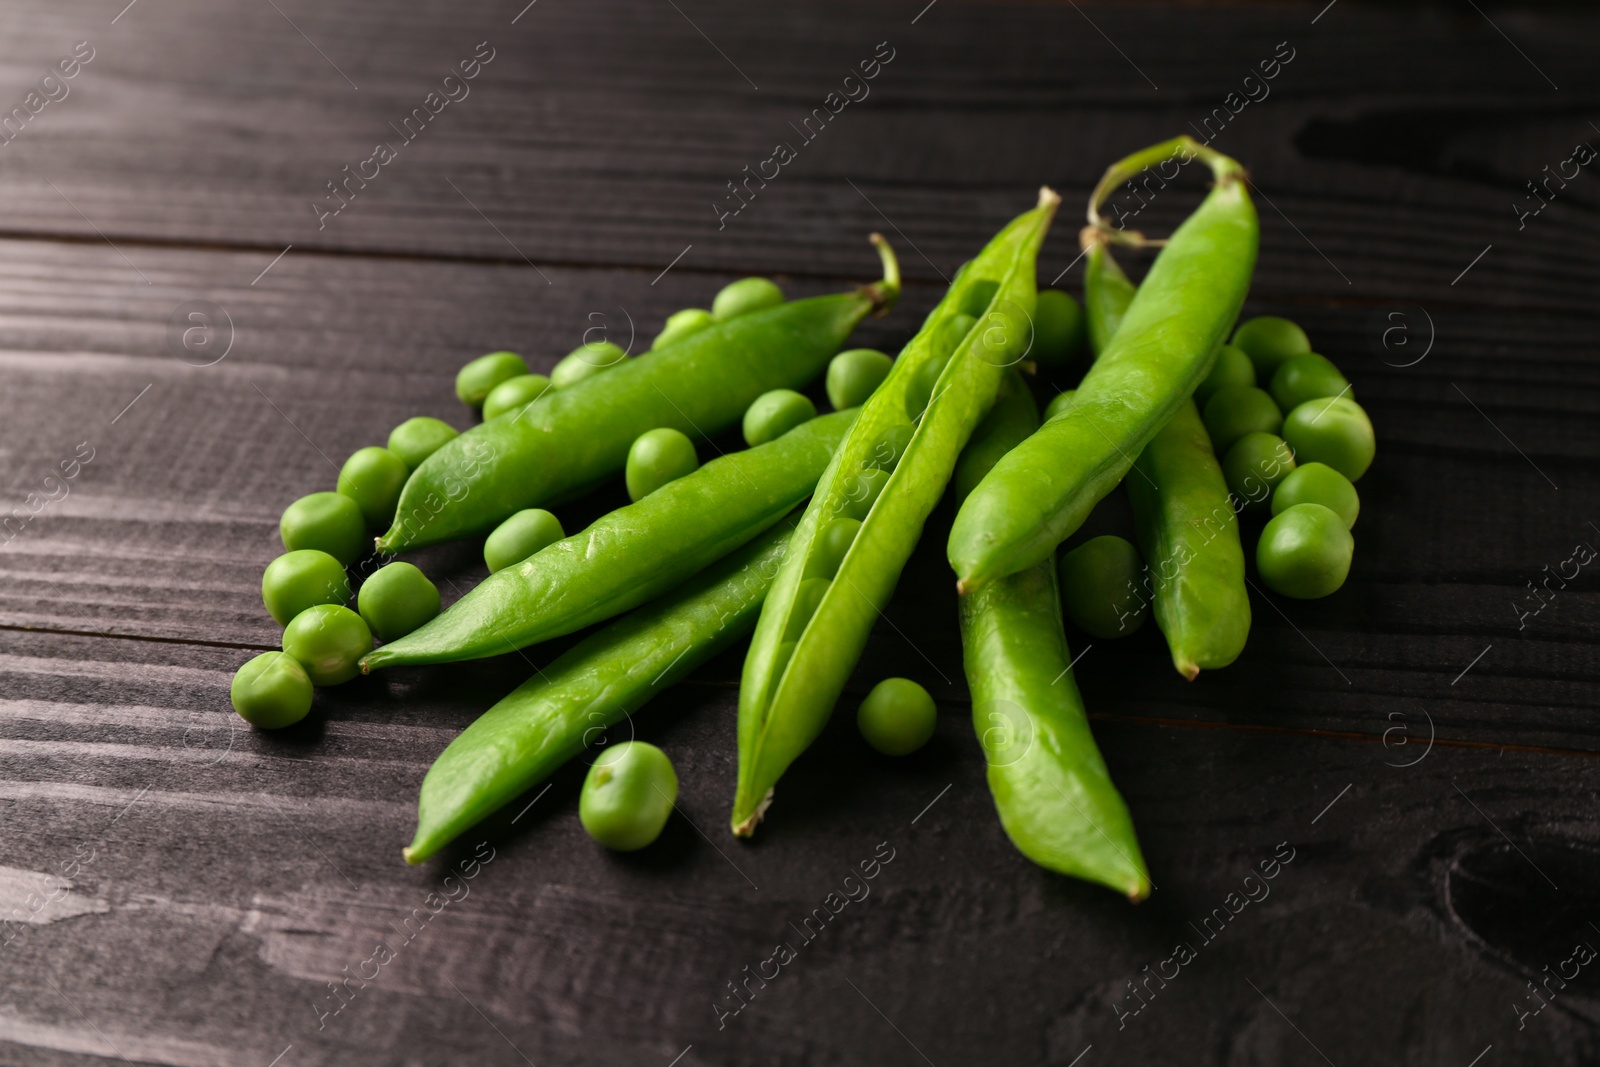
747 826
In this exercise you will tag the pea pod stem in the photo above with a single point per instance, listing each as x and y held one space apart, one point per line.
1184 517
630 555
597 683
570 439
1044 488
805 647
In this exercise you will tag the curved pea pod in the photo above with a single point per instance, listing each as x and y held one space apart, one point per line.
1107 292
889 473
629 556
1044 488
601 680
1050 786
570 439
1184 517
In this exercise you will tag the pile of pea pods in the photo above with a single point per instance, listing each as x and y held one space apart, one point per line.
798 540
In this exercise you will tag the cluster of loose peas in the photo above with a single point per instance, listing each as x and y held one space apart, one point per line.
631 788
1294 448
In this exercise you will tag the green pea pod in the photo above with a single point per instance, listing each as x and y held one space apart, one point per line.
1183 514
814 625
1050 786
570 439
1013 417
629 556
601 680
1107 292
1044 488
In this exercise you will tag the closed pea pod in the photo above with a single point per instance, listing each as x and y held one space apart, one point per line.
607 676
1044 488
629 556
572 438
1184 519
793 675
1050 786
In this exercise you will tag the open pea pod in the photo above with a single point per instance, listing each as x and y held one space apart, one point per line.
869 508
1183 514
1043 490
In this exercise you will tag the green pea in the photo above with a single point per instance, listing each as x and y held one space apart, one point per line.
919 390
954 331
296 580
1305 378
656 458
885 455
519 537
1318 483
898 717
807 598
1235 410
329 522
1100 583
978 297
418 438
1304 552
585 361
862 492
475 380
513 393
328 640
1059 403
743 296
1255 465
831 546
1058 330
373 478
855 375
775 413
628 795
1232 367
1336 432
396 600
271 691
1268 341
681 324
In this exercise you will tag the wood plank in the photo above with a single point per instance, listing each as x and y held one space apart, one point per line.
579 144
245 876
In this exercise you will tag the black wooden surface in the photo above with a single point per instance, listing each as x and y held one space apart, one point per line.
181 889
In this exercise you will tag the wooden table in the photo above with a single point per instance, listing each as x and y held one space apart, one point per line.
1417 752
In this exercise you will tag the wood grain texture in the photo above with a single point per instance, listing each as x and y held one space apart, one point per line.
232 874
1423 740
1391 148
